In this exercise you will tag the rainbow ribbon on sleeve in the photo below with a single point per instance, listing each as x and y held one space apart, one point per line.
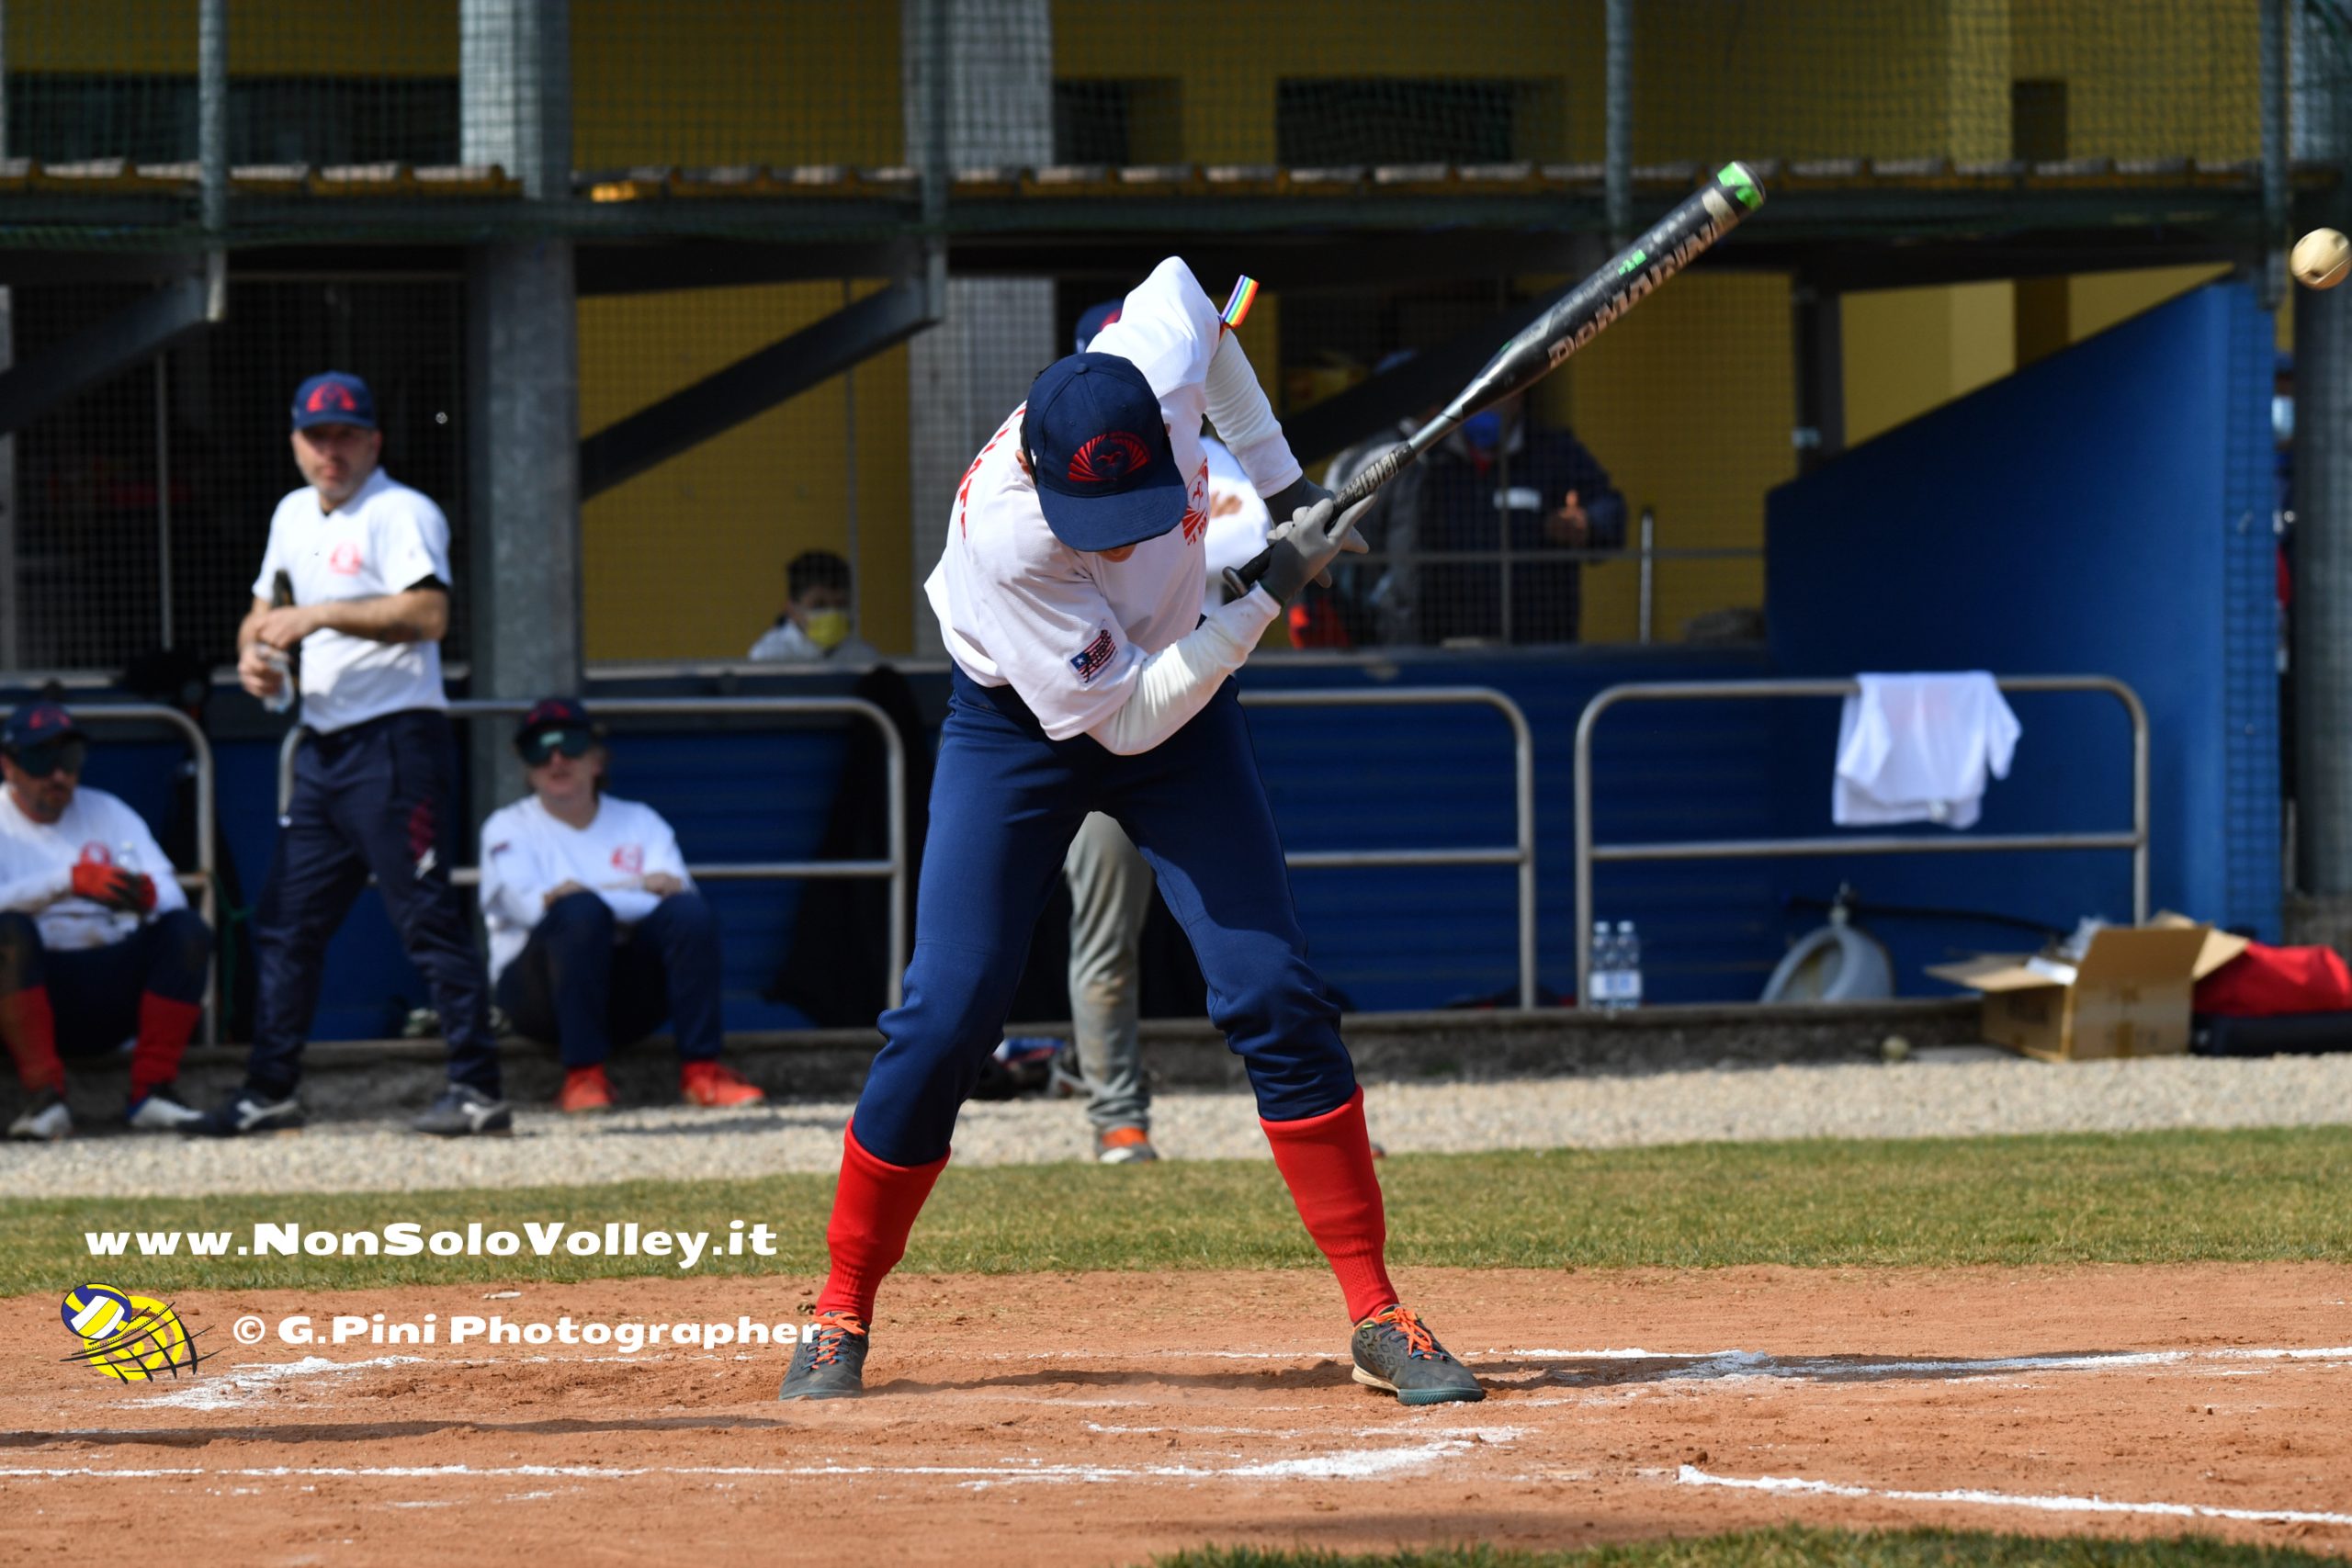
1245 294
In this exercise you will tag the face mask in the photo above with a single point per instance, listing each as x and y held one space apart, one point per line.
827 628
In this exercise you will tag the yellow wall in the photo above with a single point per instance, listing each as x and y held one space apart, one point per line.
687 559
312 38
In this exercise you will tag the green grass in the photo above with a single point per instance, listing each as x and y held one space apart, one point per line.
2149 1198
1798 1548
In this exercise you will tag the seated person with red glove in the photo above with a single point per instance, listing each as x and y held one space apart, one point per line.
94 950
596 931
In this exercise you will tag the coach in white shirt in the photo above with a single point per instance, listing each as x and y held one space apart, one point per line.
97 944
596 931
366 560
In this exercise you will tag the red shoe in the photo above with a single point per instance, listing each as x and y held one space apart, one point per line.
585 1090
707 1083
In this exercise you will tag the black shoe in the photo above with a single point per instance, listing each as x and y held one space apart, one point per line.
832 1364
464 1112
246 1111
1394 1350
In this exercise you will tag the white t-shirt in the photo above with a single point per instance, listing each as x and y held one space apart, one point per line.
1066 629
1237 519
37 862
385 539
786 643
526 851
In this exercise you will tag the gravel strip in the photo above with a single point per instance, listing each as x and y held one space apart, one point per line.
1919 1099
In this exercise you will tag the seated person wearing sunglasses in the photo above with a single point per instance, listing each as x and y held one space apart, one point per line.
596 932
94 950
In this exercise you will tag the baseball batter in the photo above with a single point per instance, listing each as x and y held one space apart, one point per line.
1087 678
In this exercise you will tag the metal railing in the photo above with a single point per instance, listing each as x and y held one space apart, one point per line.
201 881
1521 853
894 868
1588 854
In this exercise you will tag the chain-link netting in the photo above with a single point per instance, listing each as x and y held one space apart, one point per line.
143 505
1624 502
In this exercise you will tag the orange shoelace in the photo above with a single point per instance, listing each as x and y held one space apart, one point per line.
1404 1321
834 1330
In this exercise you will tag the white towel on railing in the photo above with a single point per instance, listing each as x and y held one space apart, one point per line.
1918 749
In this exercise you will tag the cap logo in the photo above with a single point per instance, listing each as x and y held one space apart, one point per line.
326 395
1109 457
43 718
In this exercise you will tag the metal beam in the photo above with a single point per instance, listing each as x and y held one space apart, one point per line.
1819 345
751 386
122 340
660 267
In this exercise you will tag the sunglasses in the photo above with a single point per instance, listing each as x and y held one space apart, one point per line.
543 746
52 757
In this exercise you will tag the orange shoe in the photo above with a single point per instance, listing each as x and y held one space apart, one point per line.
585 1090
707 1083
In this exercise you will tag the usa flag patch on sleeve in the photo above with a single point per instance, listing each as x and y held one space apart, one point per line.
1094 657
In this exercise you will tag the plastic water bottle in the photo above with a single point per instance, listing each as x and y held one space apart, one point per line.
282 700
1600 988
1628 975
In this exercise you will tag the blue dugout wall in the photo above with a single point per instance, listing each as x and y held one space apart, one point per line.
2105 511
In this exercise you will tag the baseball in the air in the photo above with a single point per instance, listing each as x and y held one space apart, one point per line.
2321 259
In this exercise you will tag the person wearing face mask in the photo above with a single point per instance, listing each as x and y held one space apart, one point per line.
596 931
815 627
1500 471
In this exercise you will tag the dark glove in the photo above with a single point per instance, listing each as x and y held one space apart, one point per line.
1302 549
1296 497
113 888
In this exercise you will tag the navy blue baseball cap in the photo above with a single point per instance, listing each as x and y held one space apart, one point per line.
37 723
1099 449
335 397
1097 317
555 713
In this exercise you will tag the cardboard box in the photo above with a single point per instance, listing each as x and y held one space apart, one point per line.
2129 996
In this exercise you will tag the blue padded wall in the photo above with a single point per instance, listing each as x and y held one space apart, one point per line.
2105 511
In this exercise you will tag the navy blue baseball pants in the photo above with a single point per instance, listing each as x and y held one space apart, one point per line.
1005 803
576 986
378 798
94 992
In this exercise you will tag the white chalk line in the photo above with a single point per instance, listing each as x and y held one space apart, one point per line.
1702 1366
2059 1502
1348 1464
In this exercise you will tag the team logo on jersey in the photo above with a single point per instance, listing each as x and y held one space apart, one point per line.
629 858
1095 657
1109 457
344 560
1196 506
96 853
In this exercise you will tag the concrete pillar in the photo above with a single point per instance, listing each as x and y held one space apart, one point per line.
522 380
2321 75
966 374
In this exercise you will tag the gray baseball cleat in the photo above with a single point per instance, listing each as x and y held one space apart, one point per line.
1394 1350
463 1112
44 1118
831 1364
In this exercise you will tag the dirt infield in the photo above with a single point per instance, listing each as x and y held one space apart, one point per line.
1098 1419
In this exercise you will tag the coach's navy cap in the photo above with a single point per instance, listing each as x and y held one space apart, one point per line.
336 397
1099 448
1097 317
37 723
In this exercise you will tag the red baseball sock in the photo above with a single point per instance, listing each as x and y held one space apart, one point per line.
30 1030
874 1208
1326 1159
164 1026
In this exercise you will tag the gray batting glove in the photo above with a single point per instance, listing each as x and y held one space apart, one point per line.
1303 549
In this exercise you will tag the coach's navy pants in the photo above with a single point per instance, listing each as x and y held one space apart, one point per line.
1005 802
378 798
577 988
94 992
